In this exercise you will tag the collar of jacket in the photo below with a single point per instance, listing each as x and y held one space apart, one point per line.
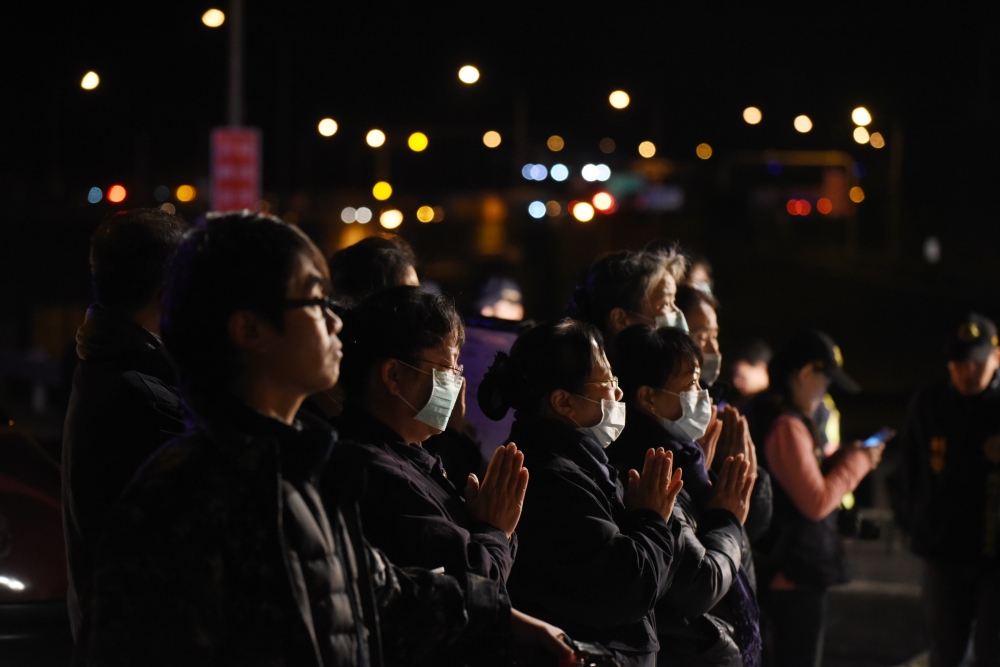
543 438
106 335
357 424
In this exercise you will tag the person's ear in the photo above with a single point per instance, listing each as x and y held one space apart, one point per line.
645 397
245 330
389 375
561 402
618 320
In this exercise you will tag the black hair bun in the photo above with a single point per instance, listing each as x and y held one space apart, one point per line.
493 394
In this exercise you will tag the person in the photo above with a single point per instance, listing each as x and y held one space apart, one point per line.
709 615
371 264
946 494
220 551
630 287
374 264
699 274
402 380
701 313
591 559
802 553
124 404
500 298
749 370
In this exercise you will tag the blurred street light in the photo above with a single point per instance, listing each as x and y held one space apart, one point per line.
363 215
603 202
559 172
877 140
752 115
619 99
555 143
860 116
349 214
607 145
382 191
425 214
186 193
589 172
116 194
90 81
647 149
391 218
213 18
583 212
375 138
94 195
803 123
417 142
536 210
861 135
328 127
856 194
704 151
491 139
468 74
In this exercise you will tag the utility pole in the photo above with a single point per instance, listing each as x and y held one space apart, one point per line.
235 114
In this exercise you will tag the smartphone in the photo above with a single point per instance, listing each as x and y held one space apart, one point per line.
882 435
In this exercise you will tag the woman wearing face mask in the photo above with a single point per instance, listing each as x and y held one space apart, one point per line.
801 555
593 557
709 616
402 379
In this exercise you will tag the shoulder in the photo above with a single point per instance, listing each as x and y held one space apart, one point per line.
147 391
786 428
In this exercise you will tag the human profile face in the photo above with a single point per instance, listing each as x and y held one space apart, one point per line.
971 378
664 402
704 327
660 297
600 385
809 385
416 381
750 379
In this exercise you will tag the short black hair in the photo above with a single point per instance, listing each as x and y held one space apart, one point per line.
236 261
754 351
545 358
643 356
129 252
689 298
369 265
394 323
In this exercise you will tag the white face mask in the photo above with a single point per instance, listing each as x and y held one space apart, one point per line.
696 413
673 320
711 368
612 422
444 395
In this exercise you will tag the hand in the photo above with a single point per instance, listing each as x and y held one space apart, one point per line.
531 632
732 489
457 419
874 453
736 438
499 499
711 438
657 488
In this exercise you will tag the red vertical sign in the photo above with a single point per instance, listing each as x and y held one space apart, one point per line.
236 163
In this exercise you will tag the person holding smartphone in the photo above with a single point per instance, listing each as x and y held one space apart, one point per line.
802 554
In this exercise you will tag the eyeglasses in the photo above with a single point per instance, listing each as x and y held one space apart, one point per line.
326 303
456 370
611 384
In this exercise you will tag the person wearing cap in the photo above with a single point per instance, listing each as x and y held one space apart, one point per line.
945 488
801 555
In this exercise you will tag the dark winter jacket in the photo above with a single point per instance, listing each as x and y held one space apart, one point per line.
412 511
584 562
460 455
946 479
220 553
699 621
122 408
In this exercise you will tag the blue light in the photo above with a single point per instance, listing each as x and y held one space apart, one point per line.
94 195
526 171
774 167
559 172
859 169
536 209
603 172
539 172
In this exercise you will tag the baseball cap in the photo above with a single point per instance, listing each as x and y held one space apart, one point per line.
973 339
813 346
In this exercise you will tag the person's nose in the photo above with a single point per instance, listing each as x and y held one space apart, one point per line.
333 322
618 393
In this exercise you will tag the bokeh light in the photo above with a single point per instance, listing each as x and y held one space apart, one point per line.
94 195
186 193
603 202
526 171
382 191
798 207
860 116
619 99
555 143
774 167
704 151
391 218
861 135
491 139
877 140
539 172
583 211
161 193
536 210
438 214
90 81
603 172
116 194
559 172
752 115
364 215
553 208
328 127
425 214
169 208
647 149
856 194
349 214
589 172
468 74
213 18
375 138
803 123
824 205
607 145
932 250
417 142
